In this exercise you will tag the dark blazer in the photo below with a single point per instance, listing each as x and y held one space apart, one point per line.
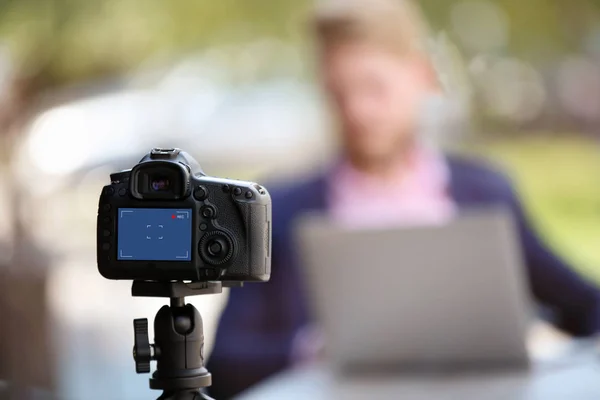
258 325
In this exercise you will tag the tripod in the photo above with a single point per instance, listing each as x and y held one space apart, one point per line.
178 345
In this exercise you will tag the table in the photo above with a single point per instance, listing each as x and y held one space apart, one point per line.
572 374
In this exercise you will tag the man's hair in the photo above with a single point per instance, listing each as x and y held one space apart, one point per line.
396 25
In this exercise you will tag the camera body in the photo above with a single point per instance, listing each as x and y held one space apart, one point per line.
165 220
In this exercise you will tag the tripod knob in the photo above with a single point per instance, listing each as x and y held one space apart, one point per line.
142 352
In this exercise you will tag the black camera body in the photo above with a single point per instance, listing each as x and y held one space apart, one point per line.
165 220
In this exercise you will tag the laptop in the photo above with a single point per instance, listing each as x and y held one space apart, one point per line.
421 298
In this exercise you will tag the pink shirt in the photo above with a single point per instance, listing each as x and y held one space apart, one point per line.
417 194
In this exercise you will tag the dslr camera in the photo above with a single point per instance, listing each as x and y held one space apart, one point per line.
165 220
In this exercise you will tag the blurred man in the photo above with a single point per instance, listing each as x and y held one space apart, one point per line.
379 77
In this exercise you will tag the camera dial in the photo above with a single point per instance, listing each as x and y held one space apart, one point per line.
216 248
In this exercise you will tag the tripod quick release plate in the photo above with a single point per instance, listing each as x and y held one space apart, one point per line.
179 289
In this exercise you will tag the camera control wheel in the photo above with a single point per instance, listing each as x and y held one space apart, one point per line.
216 248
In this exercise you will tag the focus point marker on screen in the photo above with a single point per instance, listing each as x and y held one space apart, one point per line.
173 216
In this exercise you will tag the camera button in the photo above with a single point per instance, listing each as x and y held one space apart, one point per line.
214 249
109 191
106 233
249 194
122 192
105 246
208 212
226 188
237 191
106 207
200 193
203 227
106 220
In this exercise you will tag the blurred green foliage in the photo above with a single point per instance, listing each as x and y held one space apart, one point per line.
558 182
539 29
71 40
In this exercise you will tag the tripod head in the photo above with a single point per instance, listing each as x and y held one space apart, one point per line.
178 345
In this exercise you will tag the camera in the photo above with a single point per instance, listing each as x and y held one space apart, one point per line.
165 220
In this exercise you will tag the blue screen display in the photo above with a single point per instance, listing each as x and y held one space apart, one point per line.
154 234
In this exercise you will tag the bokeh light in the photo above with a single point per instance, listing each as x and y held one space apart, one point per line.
579 87
513 90
481 25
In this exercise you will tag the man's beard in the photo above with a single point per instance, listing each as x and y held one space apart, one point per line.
380 158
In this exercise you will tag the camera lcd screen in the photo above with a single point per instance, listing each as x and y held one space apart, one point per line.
154 234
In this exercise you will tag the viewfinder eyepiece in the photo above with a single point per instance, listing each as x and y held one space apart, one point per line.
159 180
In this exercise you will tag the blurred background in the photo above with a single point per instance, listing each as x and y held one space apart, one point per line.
88 87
